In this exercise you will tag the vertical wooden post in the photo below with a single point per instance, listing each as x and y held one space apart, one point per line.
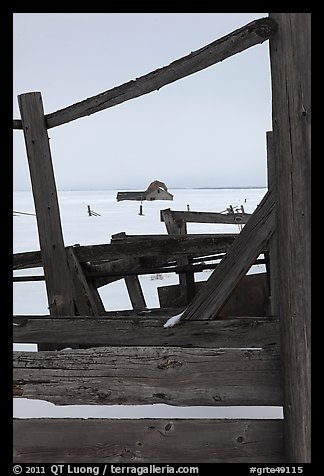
186 280
57 275
290 57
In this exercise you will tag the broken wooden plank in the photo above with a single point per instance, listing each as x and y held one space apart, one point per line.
146 330
207 217
209 301
145 440
140 246
147 375
54 262
290 58
253 33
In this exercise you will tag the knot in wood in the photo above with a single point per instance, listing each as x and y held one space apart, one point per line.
103 394
266 27
17 391
169 362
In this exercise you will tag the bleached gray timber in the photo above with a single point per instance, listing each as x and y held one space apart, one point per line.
148 375
53 256
147 440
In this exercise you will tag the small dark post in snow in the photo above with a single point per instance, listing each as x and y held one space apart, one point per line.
141 210
92 213
188 208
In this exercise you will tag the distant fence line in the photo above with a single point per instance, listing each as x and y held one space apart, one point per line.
23 213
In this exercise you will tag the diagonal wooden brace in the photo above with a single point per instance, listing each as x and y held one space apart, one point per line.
240 257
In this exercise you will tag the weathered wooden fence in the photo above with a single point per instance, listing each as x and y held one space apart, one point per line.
130 357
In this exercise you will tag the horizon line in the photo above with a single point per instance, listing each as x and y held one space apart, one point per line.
169 188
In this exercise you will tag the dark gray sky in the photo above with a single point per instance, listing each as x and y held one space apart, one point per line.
206 130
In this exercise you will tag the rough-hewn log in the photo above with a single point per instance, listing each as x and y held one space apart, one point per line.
207 217
140 245
57 274
146 331
147 375
251 241
239 40
290 54
147 441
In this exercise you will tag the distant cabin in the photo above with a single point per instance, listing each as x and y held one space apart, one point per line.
155 191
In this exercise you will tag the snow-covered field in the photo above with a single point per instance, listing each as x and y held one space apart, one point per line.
115 217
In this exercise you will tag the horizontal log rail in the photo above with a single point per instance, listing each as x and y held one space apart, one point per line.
146 440
239 40
147 375
146 329
194 268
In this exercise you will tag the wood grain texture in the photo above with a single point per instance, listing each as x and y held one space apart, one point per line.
147 441
57 274
290 55
147 375
239 258
146 331
239 40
